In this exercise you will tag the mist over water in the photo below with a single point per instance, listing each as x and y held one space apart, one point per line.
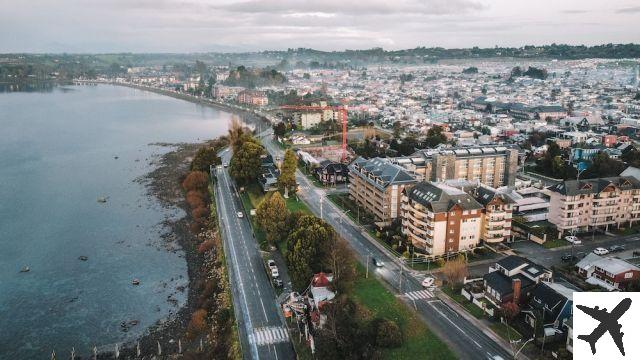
58 152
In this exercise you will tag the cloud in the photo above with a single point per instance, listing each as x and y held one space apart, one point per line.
629 10
354 8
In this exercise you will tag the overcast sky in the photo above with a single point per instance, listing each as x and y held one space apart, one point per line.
249 25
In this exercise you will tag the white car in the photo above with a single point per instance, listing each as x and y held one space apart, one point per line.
573 239
240 214
271 264
429 282
600 251
275 273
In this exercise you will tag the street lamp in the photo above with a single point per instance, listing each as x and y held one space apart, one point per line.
515 356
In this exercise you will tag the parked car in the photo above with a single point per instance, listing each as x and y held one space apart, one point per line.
600 251
615 248
429 282
275 273
377 263
277 282
240 214
226 164
573 239
568 257
271 264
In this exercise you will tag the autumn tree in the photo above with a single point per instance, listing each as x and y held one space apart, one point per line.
272 217
455 271
287 179
246 163
196 180
236 130
204 158
341 261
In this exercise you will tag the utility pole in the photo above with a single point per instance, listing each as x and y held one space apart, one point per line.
321 216
367 275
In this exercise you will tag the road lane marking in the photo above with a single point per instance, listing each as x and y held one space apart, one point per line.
268 335
420 294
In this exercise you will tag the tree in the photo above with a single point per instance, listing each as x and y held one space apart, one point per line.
341 261
196 180
455 271
246 163
280 129
603 166
236 130
272 217
287 179
307 248
205 157
397 128
435 137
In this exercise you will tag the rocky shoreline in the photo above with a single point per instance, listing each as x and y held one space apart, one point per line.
169 336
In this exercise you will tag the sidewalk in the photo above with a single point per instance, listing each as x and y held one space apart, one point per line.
479 324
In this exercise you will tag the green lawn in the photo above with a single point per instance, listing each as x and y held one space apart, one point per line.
501 329
311 178
419 341
554 243
468 305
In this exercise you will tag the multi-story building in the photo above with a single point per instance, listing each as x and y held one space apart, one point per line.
376 185
253 97
494 166
497 209
440 219
585 205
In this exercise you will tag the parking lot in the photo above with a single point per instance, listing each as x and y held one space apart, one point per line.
549 257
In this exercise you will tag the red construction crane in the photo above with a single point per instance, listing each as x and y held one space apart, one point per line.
343 116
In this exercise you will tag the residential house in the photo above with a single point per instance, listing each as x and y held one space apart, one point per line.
607 272
512 279
551 303
331 172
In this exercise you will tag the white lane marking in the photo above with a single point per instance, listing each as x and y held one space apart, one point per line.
268 335
454 324
419 294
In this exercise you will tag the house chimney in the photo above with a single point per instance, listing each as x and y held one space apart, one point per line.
516 286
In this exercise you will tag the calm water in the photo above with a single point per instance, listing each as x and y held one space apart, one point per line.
57 154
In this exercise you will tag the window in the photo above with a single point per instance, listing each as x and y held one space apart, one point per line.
451 231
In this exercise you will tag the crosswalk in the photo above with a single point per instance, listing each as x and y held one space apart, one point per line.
419 294
268 335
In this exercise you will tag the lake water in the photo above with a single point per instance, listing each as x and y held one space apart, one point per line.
57 156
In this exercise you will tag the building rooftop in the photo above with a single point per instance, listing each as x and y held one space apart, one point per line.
594 186
441 198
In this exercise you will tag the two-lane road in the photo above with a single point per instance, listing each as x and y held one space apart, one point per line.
262 332
464 338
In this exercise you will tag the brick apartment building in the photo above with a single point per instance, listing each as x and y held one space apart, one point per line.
439 219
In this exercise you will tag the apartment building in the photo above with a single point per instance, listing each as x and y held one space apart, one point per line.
253 97
376 185
439 219
586 205
494 166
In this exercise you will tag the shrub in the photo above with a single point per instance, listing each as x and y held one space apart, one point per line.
200 213
195 199
206 246
388 334
196 180
198 321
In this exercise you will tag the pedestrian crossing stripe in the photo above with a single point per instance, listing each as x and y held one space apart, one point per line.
268 335
420 294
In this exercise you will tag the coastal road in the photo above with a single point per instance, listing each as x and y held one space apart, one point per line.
464 338
260 324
